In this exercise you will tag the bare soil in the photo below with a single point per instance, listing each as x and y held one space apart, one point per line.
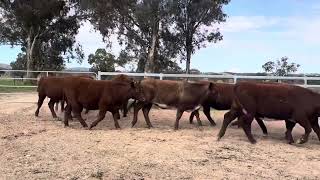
42 148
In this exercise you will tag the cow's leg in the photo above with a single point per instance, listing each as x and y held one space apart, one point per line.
81 120
304 122
206 111
116 116
262 125
236 123
51 107
62 105
315 126
146 110
178 117
101 115
77 109
228 118
137 108
198 118
246 121
67 115
289 125
125 109
40 102
192 116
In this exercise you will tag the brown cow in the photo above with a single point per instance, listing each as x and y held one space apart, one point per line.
121 78
179 94
276 101
103 95
222 101
51 87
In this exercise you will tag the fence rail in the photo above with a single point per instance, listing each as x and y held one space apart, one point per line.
308 82
234 78
12 75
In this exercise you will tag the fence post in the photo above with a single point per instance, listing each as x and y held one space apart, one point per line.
234 79
161 76
47 74
99 75
305 81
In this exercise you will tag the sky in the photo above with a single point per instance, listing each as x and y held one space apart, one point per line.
255 32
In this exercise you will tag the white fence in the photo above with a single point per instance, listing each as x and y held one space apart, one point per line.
16 75
306 81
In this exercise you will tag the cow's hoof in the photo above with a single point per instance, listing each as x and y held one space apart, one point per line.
213 124
290 142
218 138
264 135
253 141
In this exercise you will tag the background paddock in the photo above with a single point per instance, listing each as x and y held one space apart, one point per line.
41 147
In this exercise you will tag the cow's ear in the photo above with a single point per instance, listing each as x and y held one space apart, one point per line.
132 83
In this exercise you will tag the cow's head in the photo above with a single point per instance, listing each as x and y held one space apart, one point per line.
137 91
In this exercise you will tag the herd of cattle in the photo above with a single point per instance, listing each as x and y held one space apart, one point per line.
244 100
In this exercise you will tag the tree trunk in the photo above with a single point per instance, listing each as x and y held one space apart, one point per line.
188 61
150 64
31 41
189 53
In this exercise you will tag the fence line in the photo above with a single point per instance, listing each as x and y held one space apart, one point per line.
304 80
46 73
235 78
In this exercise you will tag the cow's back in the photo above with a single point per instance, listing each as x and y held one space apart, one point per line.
162 91
270 100
51 87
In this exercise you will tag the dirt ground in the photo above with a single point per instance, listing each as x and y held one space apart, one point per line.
42 148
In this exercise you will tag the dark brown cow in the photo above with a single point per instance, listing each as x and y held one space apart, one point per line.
51 87
103 95
121 78
222 101
276 101
179 94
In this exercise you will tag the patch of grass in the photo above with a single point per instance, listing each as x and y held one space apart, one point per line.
11 82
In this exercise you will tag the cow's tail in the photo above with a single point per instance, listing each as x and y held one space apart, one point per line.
237 102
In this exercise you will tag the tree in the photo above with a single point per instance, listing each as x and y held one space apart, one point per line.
102 61
45 29
141 26
192 19
19 64
280 67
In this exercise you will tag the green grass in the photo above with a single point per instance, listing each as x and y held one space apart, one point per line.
11 82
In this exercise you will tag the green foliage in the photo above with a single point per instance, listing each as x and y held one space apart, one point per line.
280 67
102 61
44 29
137 22
192 20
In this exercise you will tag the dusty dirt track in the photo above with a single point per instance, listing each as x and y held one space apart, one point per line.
41 148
